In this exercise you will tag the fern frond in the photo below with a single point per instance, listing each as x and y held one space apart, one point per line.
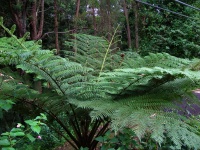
162 60
148 98
93 52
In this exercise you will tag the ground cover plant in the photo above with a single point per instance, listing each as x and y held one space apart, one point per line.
126 90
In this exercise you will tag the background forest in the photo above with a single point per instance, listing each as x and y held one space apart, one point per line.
99 74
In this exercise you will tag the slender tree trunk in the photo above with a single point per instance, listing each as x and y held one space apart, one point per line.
94 20
41 25
127 23
109 19
135 8
77 15
56 26
77 7
34 20
24 16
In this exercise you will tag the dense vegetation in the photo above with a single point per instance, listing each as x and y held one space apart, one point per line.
99 74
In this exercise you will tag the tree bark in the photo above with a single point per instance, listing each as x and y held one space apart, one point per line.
127 23
135 9
19 16
40 30
24 15
36 32
36 17
77 8
33 21
109 19
56 26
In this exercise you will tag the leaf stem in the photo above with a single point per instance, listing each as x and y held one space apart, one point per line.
107 51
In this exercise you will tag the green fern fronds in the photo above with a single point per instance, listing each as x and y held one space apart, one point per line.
163 60
141 93
94 52
146 98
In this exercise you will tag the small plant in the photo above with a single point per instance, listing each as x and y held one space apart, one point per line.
8 140
124 140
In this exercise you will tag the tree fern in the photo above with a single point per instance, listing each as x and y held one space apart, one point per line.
145 98
65 81
141 93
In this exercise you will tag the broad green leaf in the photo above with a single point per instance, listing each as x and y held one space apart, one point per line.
114 140
44 117
31 122
100 139
42 124
103 148
41 117
4 142
17 134
10 102
3 137
8 148
16 130
30 137
36 129
6 104
13 142
6 133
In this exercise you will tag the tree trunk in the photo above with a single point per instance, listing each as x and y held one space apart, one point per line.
37 28
135 8
24 16
94 20
36 15
19 17
56 26
40 29
77 7
127 23
109 19
34 21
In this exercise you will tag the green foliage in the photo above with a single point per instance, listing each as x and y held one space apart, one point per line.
123 140
94 52
64 80
8 140
142 94
162 31
6 104
180 41
42 63
143 97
